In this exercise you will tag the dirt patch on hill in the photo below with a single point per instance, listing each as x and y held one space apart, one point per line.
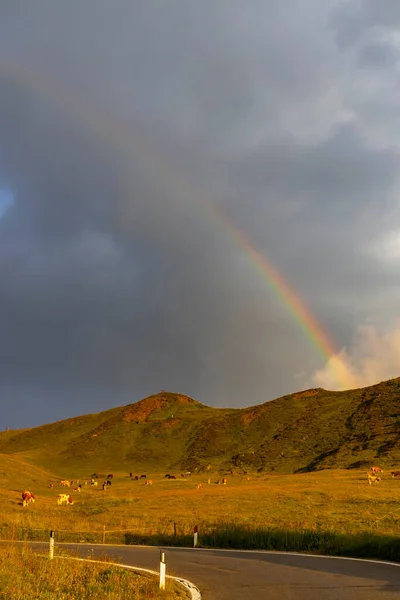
143 409
250 415
306 394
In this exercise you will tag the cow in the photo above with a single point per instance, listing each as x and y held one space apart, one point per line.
110 476
373 479
248 478
108 482
143 477
172 477
208 481
27 498
51 486
167 476
136 477
130 475
76 489
65 483
376 470
199 486
148 482
93 483
64 499
224 480
188 473
395 473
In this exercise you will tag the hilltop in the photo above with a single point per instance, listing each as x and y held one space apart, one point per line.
304 431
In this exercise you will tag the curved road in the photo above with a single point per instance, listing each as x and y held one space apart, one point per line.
239 575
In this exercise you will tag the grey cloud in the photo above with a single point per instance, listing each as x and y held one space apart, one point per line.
120 128
377 55
351 19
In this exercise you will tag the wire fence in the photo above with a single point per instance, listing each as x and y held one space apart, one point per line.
171 534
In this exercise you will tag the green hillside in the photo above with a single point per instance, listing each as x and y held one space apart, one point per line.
305 431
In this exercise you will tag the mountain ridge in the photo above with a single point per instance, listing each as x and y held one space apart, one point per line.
307 430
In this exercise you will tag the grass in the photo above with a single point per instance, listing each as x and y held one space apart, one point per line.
331 511
25 575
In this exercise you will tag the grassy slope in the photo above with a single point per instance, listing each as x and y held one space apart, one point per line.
308 430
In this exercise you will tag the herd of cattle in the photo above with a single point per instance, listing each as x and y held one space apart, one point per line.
76 486
374 476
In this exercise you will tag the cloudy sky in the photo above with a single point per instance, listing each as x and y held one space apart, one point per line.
201 197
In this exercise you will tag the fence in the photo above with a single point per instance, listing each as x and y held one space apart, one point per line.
171 535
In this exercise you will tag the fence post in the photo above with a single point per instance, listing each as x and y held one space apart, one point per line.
51 548
162 570
104 534
195 535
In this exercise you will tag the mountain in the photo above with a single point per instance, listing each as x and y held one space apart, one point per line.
309 430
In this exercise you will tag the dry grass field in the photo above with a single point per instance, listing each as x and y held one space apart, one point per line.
337 502
25 575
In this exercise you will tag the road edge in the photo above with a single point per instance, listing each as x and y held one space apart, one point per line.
193 590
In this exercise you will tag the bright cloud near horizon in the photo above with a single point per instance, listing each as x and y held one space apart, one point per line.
154 159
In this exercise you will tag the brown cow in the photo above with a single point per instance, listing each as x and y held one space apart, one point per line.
148 482
395 473
199 486
27 498
376 470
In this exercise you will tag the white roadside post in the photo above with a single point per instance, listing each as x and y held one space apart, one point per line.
51 549
162 570
195 535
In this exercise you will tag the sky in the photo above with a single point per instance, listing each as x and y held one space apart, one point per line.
201 197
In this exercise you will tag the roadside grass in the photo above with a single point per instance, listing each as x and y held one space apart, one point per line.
331 511
25 575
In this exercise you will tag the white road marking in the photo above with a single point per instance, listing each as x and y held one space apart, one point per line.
194 591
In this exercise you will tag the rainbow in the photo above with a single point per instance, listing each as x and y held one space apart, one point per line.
124 138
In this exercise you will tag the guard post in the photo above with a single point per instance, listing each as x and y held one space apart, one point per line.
195 535
51 548
163 567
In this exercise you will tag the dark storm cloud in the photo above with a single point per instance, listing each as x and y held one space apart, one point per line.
120 126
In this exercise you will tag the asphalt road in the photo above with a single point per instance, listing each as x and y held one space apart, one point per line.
231 575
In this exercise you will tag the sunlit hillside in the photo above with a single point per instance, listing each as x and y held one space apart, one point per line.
305 431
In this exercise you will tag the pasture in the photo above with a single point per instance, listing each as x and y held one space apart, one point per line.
326 503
